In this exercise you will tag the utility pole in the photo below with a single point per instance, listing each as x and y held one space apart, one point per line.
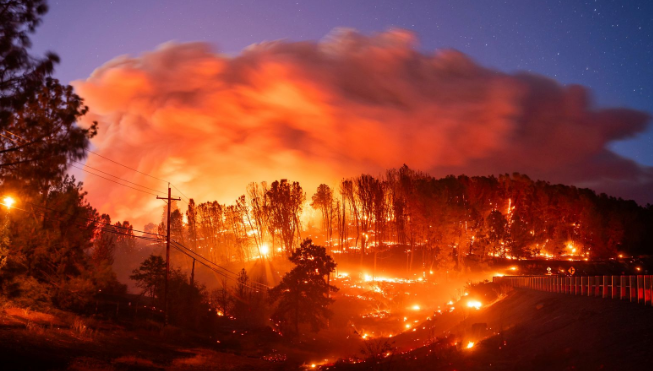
192 274
165 295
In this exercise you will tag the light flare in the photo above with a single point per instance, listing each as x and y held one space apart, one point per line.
8 202
265 250
474 304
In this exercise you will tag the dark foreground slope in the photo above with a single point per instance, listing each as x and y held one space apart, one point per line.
532 330
547 331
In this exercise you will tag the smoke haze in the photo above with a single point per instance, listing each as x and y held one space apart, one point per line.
316 112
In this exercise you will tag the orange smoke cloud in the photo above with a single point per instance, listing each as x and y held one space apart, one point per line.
319 111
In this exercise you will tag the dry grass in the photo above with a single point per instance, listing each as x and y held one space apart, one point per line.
34 328
503 291
32 316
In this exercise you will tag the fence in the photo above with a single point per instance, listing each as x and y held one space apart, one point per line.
636 289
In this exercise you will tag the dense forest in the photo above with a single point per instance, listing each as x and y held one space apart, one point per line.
444 220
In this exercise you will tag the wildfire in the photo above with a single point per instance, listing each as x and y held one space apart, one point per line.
474 304
8 201
470 345
265 250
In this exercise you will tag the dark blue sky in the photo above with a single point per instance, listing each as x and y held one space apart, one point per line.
605 45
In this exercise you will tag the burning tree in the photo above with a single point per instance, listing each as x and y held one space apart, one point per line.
303 294
284 206
323 201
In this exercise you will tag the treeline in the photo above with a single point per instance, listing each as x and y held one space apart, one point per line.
446 220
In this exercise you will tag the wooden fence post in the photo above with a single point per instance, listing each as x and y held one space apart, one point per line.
630 288
647 292
570 285
587 285
622 287
604 285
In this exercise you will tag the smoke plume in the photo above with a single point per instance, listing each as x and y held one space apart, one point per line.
320 111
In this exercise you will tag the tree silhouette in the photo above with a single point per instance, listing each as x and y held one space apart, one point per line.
151 275
303 293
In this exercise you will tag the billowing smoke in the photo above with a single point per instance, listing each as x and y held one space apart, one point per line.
320 111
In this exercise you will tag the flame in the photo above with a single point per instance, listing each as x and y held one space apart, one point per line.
474 304
470 345
8 201
265 249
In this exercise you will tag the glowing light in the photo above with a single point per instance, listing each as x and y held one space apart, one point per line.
8 201
513 268
470 345
474 304
408 325
450 302
416 307
265 250
343 274
638 269
313 365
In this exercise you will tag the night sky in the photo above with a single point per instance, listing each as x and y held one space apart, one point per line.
604 45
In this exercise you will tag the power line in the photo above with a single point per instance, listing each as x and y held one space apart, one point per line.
127 167
115 162
201 256
140 172
227 274
91 220
124 185
182 193
86 226
124 180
